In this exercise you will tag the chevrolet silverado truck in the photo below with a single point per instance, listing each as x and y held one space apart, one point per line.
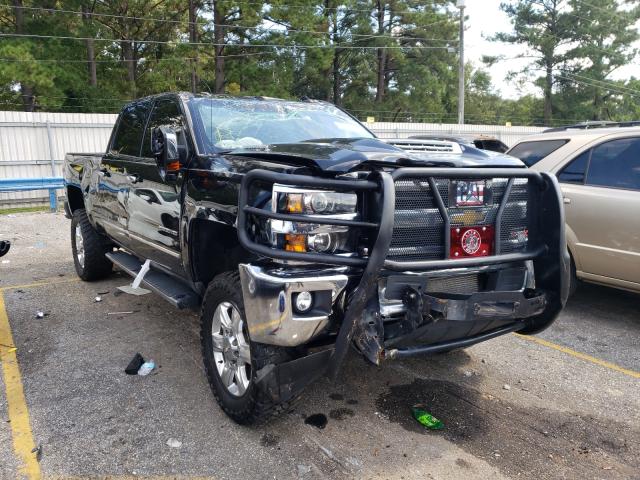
298 234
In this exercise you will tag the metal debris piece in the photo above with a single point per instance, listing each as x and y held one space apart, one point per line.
119 313
98 299
506 387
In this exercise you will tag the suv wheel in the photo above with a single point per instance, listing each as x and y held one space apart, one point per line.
88 248
231 359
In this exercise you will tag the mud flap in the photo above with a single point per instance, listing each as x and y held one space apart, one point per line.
284 381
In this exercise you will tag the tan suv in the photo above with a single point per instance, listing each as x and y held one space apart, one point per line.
599 173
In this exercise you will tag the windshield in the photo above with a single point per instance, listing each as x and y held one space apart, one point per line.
233 124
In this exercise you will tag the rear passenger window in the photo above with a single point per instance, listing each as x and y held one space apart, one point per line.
128 138
575 171
532 152
616 164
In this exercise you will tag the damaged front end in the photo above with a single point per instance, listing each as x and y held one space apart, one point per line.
406 262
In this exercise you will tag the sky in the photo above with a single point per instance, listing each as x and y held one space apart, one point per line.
484 19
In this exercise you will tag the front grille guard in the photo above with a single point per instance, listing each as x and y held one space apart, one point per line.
535 247
383 183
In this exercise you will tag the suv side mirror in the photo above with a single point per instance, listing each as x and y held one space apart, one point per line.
164 146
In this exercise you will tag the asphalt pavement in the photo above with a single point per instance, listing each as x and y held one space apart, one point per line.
564 404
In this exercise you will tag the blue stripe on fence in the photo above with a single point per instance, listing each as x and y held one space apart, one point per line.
27 184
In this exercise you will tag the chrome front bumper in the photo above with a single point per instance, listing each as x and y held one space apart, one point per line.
269 308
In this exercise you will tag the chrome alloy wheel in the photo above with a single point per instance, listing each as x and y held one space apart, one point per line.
231 350
79 246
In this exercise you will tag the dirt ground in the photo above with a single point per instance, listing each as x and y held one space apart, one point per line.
564 404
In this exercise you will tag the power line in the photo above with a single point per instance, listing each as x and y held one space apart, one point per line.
251 45
204 23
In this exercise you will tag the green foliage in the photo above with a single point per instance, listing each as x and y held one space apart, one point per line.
403 69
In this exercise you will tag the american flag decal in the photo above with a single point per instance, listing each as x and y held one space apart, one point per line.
469 193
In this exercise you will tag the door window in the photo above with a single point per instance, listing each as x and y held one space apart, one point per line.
575 171
128 137
616 164
532 152
166 112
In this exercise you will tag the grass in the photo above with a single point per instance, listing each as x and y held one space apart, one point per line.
7 211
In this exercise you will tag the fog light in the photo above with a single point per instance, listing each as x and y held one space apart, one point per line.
303 301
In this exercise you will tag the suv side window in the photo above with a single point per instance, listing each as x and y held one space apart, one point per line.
166 112
532 152
575 171
128 137
616 164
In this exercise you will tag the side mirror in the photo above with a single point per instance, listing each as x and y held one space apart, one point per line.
164 146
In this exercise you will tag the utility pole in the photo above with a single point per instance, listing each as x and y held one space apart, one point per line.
461 6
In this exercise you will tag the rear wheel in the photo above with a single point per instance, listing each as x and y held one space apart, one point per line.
89 248
231 359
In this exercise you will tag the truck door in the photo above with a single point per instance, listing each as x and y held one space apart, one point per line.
601 190
153 203
109 205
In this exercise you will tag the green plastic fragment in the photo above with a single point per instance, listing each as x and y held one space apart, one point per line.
425 418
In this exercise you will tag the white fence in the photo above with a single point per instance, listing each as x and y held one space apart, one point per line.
34 144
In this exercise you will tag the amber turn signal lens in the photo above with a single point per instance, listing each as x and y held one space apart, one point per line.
173 167
295 243
294 203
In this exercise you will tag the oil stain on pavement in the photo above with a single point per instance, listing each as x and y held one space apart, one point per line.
525 442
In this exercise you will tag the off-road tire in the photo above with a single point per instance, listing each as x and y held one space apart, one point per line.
254 406
96 265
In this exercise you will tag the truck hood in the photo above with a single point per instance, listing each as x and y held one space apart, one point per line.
347 154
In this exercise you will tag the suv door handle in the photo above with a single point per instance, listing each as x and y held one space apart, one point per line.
566 200
134 178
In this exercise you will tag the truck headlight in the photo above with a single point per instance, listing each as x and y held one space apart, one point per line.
313 202
312 237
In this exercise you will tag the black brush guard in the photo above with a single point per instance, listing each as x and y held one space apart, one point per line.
546 246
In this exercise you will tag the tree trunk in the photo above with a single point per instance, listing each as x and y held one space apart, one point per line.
336 78
26 91
91 55
129 59
218 38
548 90
381 55
193 37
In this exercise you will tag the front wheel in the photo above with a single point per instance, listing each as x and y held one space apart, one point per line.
231 359
89 248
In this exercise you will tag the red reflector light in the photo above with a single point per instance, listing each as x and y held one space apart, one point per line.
472 241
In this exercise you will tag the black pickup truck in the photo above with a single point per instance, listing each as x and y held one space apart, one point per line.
299 234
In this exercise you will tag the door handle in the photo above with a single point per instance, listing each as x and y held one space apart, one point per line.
566 200
134 178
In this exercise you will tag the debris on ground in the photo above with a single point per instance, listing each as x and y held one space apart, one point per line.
425 418
134 365
119 313
174 443
98 299
38 451
41 314
468 373
506 387
318 420
146 368
303 470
